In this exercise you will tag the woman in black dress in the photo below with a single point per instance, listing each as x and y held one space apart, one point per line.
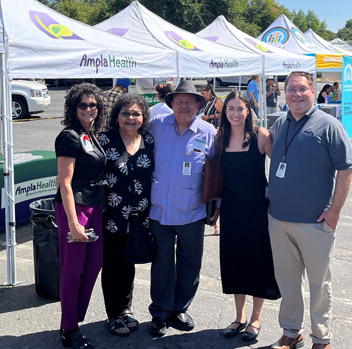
245 252
129 167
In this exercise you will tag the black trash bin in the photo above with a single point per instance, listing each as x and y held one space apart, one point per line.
45 248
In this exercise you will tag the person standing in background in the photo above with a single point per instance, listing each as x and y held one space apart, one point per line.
252 93
112 95
161 107
272 91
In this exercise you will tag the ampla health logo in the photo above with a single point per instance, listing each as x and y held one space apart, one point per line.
276 36
180 42
51 27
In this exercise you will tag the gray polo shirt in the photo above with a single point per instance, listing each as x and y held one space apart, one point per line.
319 148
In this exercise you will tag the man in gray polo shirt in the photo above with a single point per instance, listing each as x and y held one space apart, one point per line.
306 196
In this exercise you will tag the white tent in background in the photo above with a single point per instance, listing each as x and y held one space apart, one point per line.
37 42
282 33
342 44
196 56
318 40
276 61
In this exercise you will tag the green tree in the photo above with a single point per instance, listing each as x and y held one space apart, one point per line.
345 33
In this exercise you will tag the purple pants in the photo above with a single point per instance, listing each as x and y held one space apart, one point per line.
80 263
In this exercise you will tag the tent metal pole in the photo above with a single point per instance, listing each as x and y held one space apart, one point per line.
10 220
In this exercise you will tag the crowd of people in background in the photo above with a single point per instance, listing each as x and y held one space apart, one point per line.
115 161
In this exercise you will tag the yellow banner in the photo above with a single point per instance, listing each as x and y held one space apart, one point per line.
329 61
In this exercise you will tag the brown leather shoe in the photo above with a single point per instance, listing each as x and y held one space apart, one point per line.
321 346
289 343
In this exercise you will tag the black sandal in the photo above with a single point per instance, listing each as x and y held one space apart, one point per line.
115 325
131 323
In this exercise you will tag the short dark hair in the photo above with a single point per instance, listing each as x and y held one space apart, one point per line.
304 74
164 89
224 133
73 98
126 100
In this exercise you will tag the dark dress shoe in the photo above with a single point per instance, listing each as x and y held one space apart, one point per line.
75 339
288 342
181 322
231 332
158 327
249 336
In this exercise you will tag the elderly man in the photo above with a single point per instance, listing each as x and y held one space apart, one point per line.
182 141
305 203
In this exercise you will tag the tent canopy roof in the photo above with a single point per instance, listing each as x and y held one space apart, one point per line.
196 56
43 43
277 61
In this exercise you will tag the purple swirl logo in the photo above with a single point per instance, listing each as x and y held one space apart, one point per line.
52 28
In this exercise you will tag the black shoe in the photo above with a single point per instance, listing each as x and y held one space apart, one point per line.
158 328
181 322
75 339
248 336
231 332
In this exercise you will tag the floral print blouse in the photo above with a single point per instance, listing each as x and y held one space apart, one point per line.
118 188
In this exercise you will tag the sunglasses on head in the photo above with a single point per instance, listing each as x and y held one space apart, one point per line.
84 106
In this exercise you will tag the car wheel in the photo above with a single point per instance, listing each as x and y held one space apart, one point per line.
19 108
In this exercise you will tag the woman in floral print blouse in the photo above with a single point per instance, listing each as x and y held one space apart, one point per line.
129 150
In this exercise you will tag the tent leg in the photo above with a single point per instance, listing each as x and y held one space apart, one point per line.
6 112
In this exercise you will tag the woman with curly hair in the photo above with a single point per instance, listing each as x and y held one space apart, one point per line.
129 168
78 206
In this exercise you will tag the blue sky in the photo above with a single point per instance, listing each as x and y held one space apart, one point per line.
335 13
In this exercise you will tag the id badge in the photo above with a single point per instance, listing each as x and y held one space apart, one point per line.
186 168
199 145
281 170
86 143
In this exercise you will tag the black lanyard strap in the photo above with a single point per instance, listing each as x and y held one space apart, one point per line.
294 135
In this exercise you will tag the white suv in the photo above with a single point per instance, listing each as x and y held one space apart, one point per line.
28 97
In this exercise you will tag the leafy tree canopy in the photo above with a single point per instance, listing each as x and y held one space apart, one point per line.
250 16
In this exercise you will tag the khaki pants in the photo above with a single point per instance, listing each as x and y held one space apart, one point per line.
297 247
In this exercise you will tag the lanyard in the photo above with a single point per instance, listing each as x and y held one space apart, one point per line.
294 135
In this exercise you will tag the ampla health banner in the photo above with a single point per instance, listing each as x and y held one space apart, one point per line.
347 94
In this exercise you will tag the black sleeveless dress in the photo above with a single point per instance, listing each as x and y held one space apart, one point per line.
245 252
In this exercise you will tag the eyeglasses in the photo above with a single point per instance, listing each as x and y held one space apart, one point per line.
127 114
301 91
84 106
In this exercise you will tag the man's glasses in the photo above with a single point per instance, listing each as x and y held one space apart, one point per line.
301 91
127 114
84 106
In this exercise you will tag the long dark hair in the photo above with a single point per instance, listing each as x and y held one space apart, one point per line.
129 99
224 133
73 98
209 87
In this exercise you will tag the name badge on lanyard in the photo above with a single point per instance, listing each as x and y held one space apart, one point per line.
187 168
281 170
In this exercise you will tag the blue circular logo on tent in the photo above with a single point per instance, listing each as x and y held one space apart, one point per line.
300 36
276 36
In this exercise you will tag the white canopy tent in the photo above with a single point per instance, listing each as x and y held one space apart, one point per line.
341 44
276 61
282 33
38 42
196 56
319 41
